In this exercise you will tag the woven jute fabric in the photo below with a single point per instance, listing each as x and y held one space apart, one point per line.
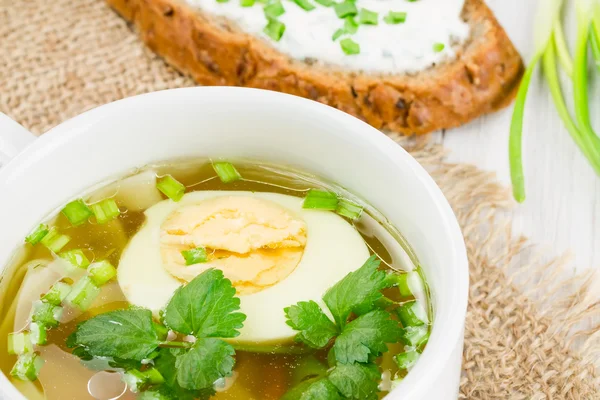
532 329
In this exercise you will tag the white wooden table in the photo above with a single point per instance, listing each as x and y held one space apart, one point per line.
562 210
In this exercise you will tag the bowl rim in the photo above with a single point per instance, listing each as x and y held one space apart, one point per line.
443 340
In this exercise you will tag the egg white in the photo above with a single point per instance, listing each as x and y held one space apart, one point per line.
333 249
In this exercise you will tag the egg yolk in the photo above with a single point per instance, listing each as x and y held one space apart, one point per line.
256 243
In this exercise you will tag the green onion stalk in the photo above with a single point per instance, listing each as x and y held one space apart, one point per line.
550 46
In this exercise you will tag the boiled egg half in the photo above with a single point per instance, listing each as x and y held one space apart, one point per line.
274 252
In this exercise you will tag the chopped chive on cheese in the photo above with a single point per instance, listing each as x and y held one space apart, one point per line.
83 294
348 209
170 187
226 171
19 343
274 29
305 4
345 9
416 336
337 34
395 17
412 313
102 272
57 293
38 333
349 46
274 10
46 314
55 241
76 257
38 234
77 212
437 47
105 210
247 3
407 360
350 25
326 3
194 256
27 367
320 200
368 17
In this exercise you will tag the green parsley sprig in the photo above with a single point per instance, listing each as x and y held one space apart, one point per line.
357 341
205 308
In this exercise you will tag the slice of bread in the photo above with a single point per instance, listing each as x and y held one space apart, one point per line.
483 78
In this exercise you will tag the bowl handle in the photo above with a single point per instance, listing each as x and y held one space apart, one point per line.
13 139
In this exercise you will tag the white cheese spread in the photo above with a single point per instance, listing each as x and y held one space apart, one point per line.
409 46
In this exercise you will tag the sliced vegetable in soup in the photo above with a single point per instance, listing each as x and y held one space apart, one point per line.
220 280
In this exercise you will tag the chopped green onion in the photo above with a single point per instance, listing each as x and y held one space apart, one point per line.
350 25
222 1
105 210
76 258
348 209
27 367
403 281
395 17
57 293
320 200
415 336
305 4
54 241
349 46
77 212
83 294
170 187
412 313
39 334
46 314
134 379
154 395
137 380
274 29
102 272
160 330
19 343
437 47
274 10
407 360
226 172
37 235
326 3
247 3
368 17
338 33
153 376
194 256
345 9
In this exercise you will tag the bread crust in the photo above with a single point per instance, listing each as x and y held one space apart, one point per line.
483 78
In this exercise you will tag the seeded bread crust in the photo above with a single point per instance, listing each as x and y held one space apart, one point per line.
483 78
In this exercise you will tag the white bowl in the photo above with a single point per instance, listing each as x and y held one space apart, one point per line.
234 122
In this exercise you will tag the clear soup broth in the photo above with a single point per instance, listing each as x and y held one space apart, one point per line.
382 349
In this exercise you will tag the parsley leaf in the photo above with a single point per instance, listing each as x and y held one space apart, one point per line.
170 389
366 336
205 307
313 389
209 360
356 381
316 329
125 334
359 289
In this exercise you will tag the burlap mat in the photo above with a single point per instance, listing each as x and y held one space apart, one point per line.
530 333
